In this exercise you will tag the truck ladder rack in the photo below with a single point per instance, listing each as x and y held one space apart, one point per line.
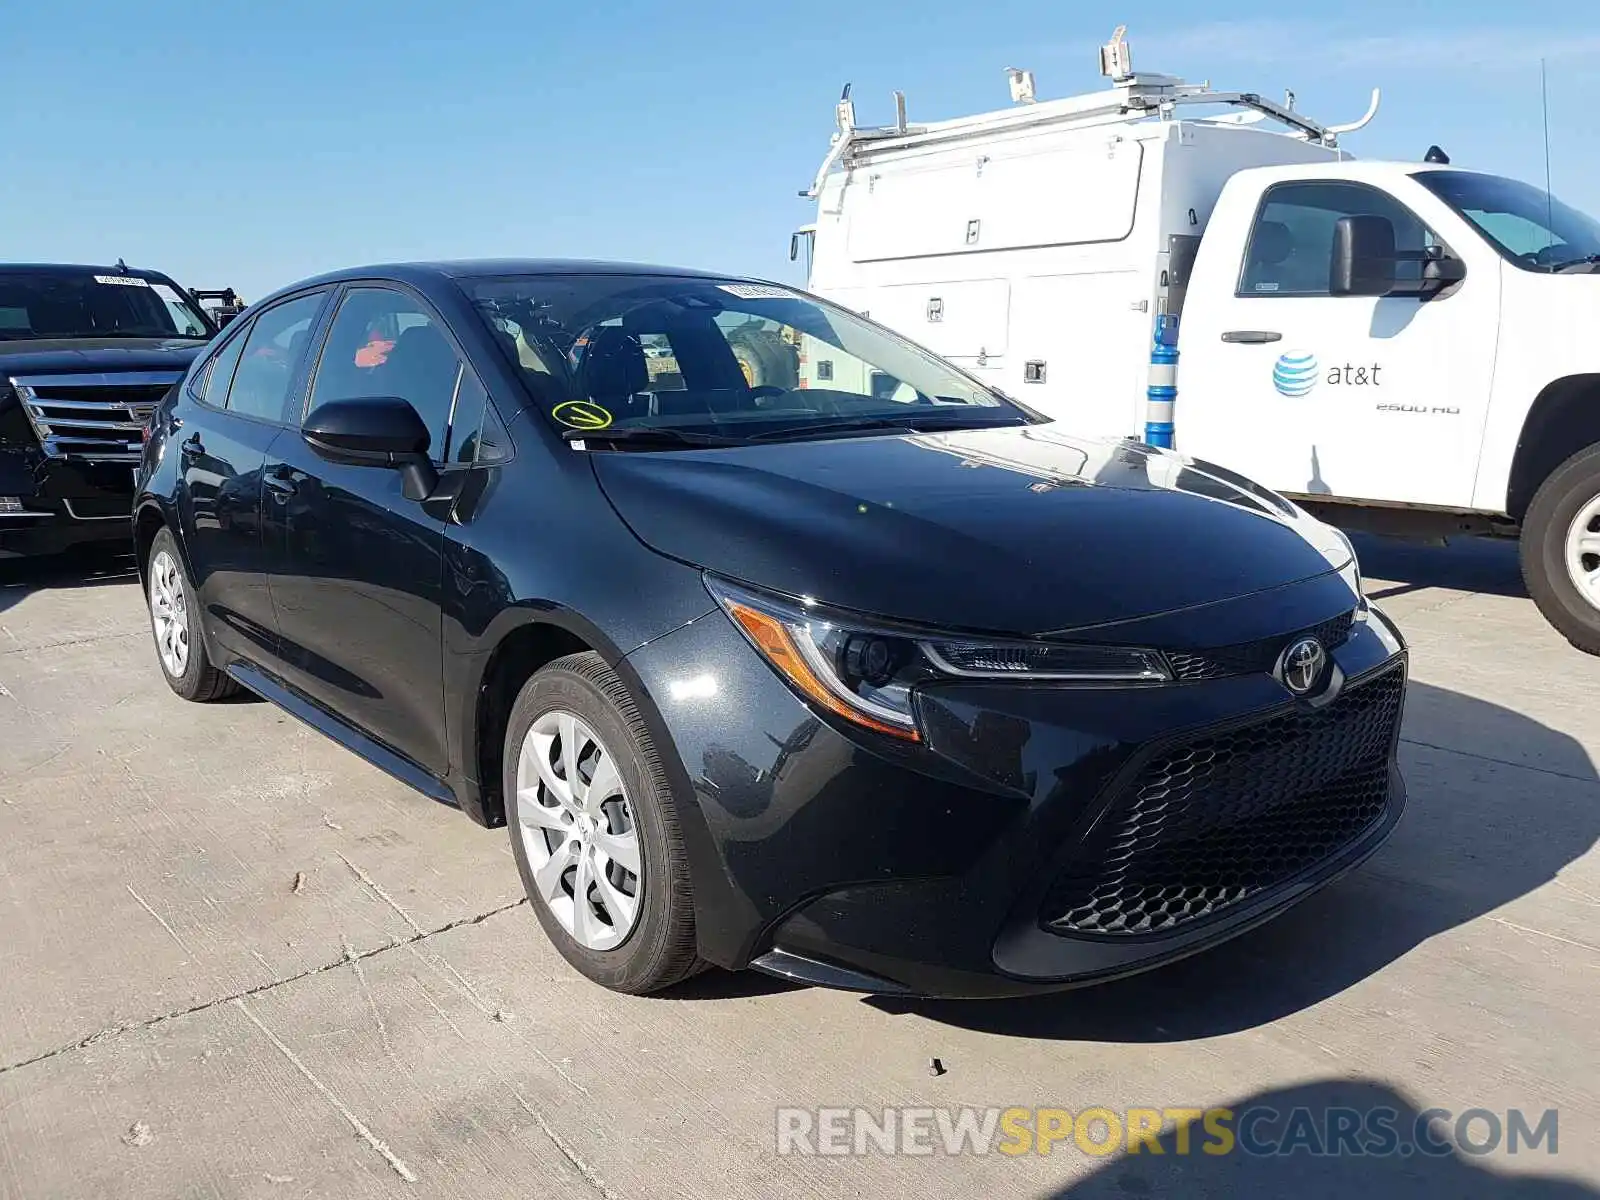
1131 99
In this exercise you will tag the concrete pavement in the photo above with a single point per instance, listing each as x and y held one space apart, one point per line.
237 961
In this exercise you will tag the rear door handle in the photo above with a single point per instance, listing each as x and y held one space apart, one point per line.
1252 337
281 481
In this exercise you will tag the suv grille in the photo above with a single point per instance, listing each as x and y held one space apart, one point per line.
1221 819
98 417
1247 658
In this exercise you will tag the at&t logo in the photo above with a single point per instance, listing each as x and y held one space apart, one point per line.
1295 373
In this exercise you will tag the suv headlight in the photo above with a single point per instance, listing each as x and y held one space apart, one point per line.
866 671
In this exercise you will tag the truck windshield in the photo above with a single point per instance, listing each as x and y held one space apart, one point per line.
1526 224
662 362
67 304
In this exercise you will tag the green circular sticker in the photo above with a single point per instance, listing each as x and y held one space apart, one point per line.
581 414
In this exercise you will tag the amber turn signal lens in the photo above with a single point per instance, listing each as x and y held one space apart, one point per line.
775 641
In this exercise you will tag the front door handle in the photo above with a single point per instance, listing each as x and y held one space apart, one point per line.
1252 337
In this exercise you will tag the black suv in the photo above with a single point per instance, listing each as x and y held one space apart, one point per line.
777 641
85 355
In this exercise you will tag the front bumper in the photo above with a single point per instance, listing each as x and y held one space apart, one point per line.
65 504
1039 839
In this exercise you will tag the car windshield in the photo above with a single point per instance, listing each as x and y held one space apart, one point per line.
63 304
1527 224
663 360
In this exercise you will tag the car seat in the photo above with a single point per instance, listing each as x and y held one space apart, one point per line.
421 368
613 371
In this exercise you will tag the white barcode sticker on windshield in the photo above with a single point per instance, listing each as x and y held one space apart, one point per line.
756 291
122 280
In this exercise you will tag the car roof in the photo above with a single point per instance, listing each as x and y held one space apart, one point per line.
417 273
11 268
477 267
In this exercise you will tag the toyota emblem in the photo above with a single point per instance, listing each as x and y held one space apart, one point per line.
1302 665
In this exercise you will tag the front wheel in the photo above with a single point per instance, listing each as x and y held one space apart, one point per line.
594 830
1561 549
175 621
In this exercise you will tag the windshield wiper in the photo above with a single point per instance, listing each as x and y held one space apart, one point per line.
896 424
648 437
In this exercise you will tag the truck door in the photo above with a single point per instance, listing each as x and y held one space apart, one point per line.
1311 393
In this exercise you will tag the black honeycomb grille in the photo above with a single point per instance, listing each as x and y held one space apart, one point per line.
1221 819
1248 658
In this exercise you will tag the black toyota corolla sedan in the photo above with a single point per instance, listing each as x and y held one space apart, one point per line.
776 641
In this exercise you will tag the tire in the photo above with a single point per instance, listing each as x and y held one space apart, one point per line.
653 946
169 598
764 357
1566 508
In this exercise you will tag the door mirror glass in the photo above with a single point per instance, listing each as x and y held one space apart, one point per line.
1364 258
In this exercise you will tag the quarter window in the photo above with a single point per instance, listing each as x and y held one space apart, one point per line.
384 343
212 386
1291 245
477 436
272 353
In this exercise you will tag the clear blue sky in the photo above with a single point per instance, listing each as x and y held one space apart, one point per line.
253 144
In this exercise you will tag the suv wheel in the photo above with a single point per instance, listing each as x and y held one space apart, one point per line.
1561 549
594 829
175 621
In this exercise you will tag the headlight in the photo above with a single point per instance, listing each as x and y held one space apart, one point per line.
865 672
1351 573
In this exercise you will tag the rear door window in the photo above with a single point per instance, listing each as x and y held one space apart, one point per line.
265 376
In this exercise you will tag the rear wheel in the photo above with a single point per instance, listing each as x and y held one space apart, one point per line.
175 621
1561 549
594 829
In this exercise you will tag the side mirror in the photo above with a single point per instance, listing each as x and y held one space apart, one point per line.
1441 273
1363 257
374 431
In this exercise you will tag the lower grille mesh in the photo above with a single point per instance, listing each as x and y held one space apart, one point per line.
1218 820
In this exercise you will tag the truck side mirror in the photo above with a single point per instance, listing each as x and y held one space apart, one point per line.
1363 257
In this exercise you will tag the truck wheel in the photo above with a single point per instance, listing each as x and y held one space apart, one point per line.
1561 549
594 829
764 357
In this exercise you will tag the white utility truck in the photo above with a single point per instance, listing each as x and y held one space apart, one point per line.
1402 347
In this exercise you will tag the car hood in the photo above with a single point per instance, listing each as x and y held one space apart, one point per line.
1021 530
75 355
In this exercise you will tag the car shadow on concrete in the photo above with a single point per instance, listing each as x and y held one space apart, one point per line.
1309 1118
82 567
1487 565
23 577
1477 834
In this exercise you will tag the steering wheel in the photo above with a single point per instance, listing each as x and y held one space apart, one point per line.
1541 257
